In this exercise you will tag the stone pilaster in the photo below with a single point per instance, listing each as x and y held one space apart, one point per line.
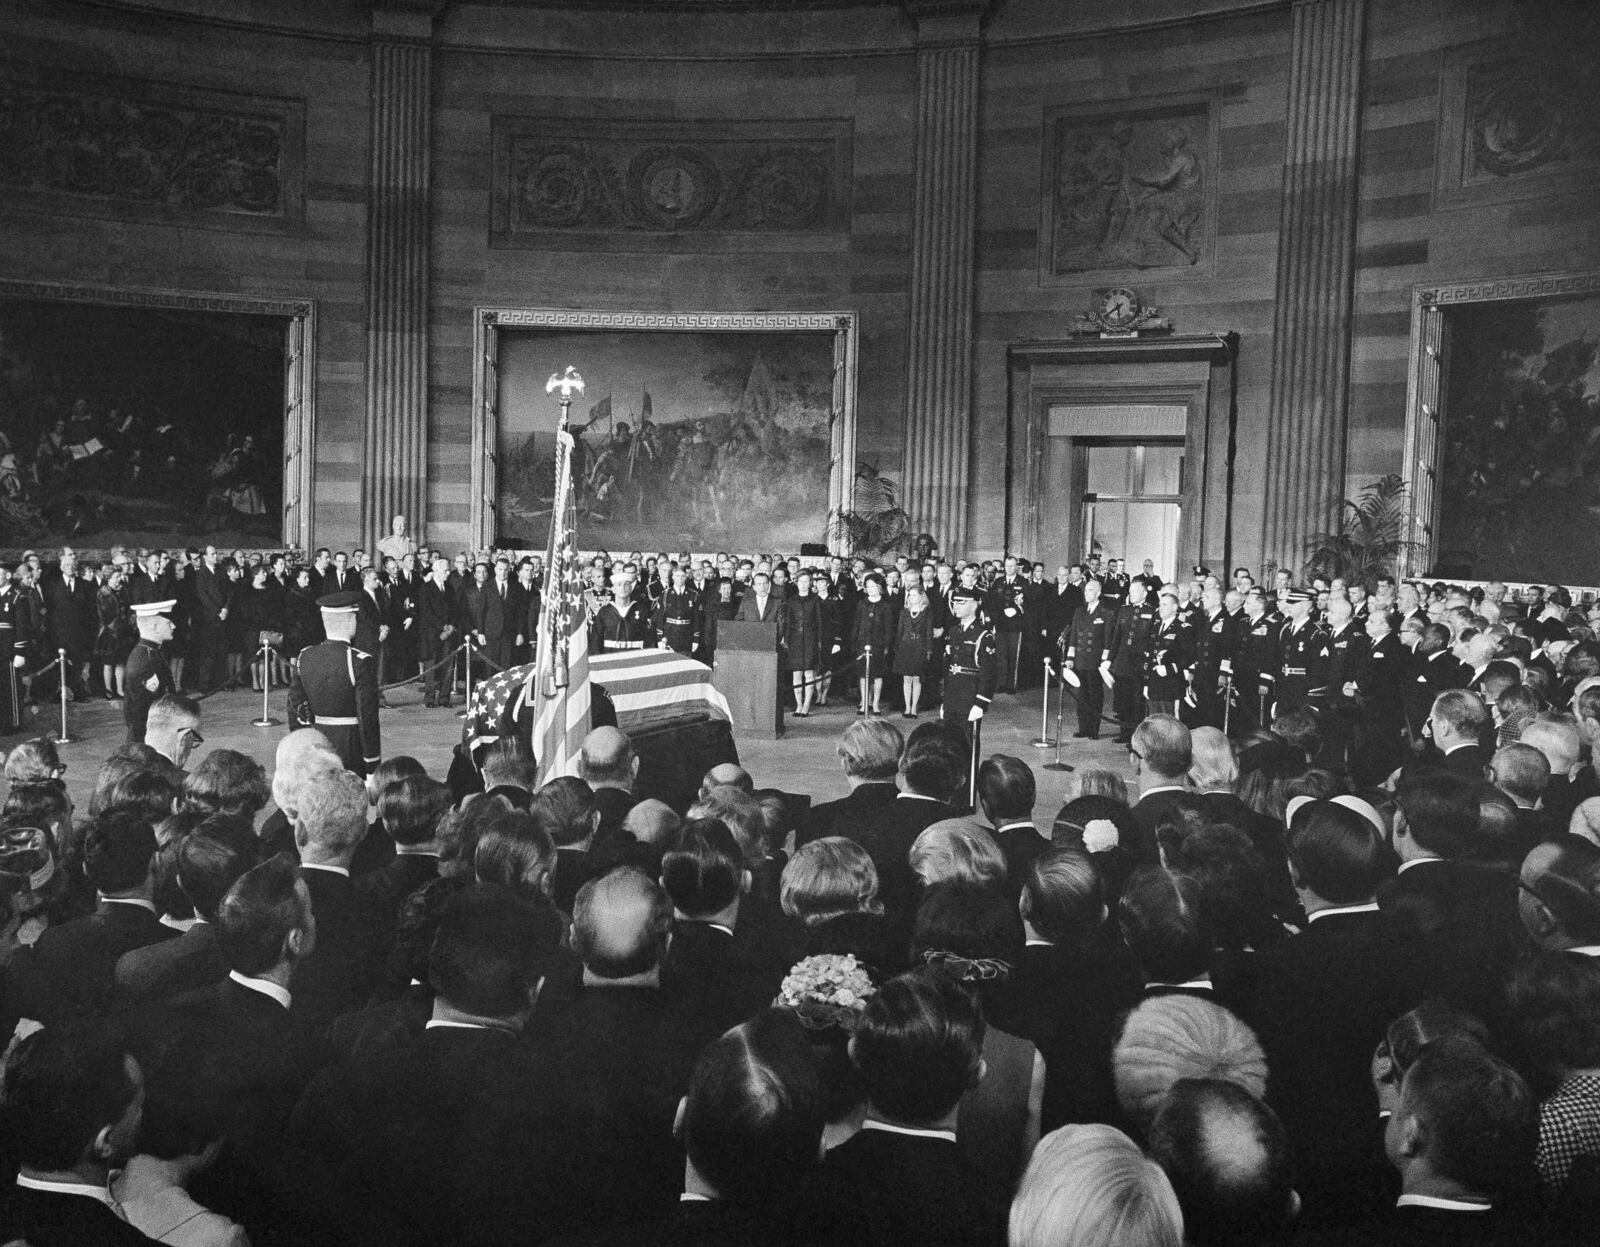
943 216
1310 394
395 457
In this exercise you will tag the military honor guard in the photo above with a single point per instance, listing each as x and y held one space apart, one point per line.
1303 653
149 678
1135 624
1089 642
1168 660
972 664
335 687
1214 645
620 623
678 615
11 656
1255 670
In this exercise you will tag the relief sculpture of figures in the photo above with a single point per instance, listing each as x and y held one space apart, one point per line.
1129 192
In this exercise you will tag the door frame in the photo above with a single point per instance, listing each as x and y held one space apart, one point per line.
1196 372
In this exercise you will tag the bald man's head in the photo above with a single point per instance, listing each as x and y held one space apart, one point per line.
652 822
1521 772
727 775
620 923
1555 736
1559 897
608 760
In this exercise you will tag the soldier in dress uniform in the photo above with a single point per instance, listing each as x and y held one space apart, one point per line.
620 623
1302 654
1114 588
148 676
972 664
1135 625
1349 651
1255 669
1088 642
335 687
1215 645
1167 659
11 657
677 620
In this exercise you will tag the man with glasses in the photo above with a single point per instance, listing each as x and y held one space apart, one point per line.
173 730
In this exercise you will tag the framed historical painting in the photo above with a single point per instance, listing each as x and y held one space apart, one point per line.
1503 429
154 418
697 431
1129 187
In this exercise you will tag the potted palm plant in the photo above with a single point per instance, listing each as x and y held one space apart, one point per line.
1368 543
874 524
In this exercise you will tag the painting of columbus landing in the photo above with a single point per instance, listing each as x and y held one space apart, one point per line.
139 425
1520 461
684 440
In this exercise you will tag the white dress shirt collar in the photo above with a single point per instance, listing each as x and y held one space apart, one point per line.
69 1188
1371 907
949 1136
264 986
332 870
1435 1201
137 902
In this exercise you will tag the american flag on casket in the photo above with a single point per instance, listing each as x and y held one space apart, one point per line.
646 687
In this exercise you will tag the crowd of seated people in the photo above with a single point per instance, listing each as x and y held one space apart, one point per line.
1248 997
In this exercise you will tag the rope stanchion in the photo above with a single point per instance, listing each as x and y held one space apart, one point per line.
467 705
266 719
1061 700
65 738
1045 740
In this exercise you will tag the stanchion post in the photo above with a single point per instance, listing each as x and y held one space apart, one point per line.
1044 740
467 708
65 738
1061 705
266 719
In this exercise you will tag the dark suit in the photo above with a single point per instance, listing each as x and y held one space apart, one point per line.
1021 843
1069 1004
169 967
1462 918
211 599
613 804
620 1059
342 969
1429 1227
68 972
1147 812
1320 1002
437 1140
436 611
914 1190
390 884
752 610
888 840
1430 675
54 1219
851 816
719 978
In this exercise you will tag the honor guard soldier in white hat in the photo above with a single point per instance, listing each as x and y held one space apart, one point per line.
1303 653
149 678
335 689
972 662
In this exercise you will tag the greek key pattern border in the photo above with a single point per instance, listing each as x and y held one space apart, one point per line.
66 292
721 322
1500 289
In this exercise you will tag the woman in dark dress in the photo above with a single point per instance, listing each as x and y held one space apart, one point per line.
830 612
116 634
802 632
302 620
872 643
913 646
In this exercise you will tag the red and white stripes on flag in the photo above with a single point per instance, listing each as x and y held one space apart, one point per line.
559 691
652 686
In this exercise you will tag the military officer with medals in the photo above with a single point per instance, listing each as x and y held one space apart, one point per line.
1168 658
1135 625
148 677
1088 643
972 664
1215 644
1255 669
677 617
335 687
1380 701
1303 654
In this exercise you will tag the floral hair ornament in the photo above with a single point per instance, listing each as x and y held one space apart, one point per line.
830 989
1100 835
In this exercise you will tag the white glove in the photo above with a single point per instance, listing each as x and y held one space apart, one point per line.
974 714
19 662
1071 677
153 684
1105 674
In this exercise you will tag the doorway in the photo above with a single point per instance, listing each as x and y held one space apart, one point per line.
1133 501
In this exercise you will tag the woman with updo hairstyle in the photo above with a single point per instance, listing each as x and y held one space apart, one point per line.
34 759
829 896
957 850
1091 1186
974 935
515 852
1097 820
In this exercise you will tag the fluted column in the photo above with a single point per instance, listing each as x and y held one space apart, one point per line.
943 215
1310 394
395 458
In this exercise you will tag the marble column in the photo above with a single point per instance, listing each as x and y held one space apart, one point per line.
395 459
1311 329
939 366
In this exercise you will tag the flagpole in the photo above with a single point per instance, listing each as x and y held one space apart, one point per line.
550 659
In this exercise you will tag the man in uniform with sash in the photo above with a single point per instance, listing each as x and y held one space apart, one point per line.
335 688
972 664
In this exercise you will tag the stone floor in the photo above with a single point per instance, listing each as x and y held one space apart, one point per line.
803 760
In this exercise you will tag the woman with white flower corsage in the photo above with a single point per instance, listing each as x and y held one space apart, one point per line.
1099 822
827 994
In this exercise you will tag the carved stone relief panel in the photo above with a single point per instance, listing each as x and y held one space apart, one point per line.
121 147
570 178
1128 188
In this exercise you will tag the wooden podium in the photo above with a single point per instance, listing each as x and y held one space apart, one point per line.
747 675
